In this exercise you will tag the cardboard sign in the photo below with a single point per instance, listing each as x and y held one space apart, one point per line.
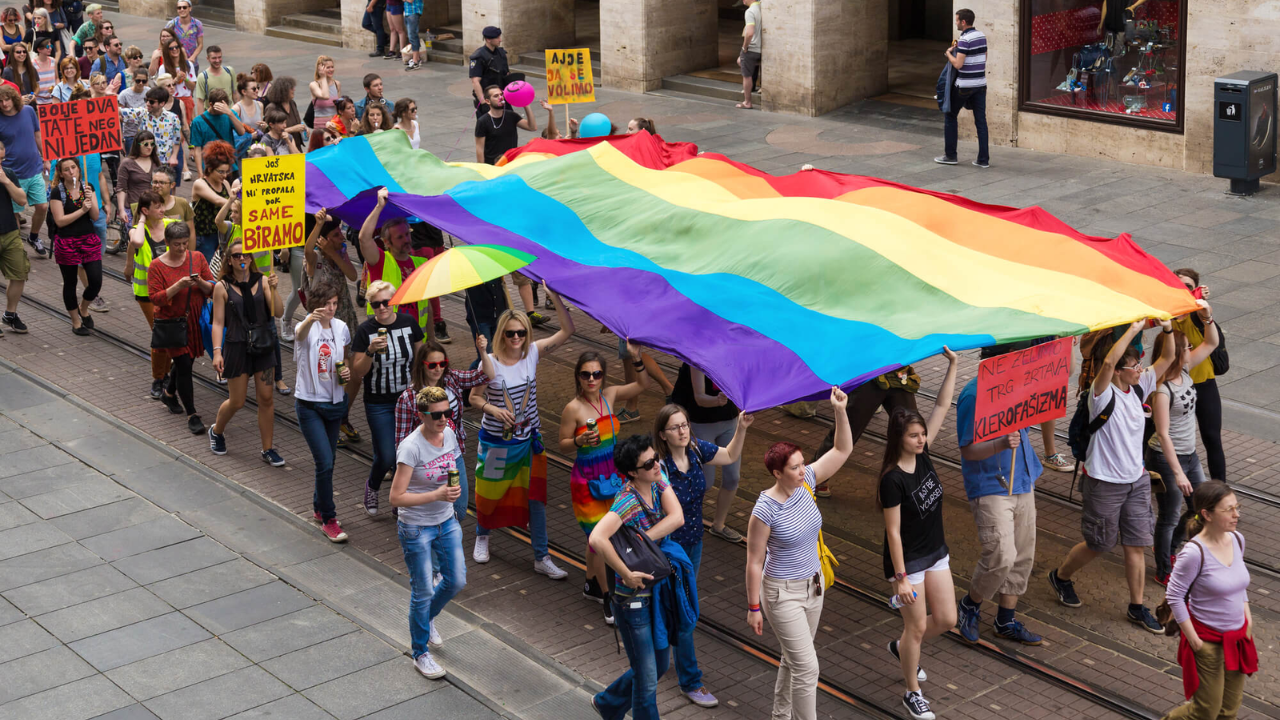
1021 389
274 191
83 127
569 77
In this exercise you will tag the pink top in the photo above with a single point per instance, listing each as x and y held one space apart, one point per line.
1220 592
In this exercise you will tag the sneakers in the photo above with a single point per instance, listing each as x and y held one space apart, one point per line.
412 66
195 424
442 332
272 458
349 432
370 500
481 552
944 160
286 333
1065 589
967 624
1163 579
333 531
546 567
917 706
537 319
217 443
1057 462
36 245
921 675
99 304
186 175
548 305
171 402
626 416
428 667
608 610
1139 615
1017 632
14 323
983 165
726 533
702 698
591 590
822 491
157 389
434 639
82 330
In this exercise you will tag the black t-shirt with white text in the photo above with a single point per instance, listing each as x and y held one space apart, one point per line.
389 374
500 135
919 494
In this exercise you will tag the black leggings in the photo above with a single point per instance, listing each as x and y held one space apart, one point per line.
70 278
180 382
863 403
1209 418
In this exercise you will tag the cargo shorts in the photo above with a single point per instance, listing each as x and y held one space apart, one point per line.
1116 513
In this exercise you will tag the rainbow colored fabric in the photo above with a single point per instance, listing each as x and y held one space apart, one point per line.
776 286
509 473
592 463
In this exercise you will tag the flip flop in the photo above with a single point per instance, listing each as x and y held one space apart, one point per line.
743 106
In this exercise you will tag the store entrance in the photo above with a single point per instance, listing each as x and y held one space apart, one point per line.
919 32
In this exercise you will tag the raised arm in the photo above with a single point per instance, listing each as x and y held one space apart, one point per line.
1167 353
623 393
942 405
729 455
529 122
369 248
827 465
1108 366
566 325
1211 336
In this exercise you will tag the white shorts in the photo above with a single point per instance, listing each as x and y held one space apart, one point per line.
918 577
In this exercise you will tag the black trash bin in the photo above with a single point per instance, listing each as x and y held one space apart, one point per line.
1244 129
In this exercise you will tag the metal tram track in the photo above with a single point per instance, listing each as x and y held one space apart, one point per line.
718 631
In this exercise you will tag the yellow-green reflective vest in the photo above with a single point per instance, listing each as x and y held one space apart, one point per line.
142 259
391 273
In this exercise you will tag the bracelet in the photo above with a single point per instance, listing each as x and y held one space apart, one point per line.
1206 322
754 608
1167 332
217 347
899 575
637 364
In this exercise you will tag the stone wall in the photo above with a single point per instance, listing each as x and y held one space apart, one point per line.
257 15
819 55
527 25
643 41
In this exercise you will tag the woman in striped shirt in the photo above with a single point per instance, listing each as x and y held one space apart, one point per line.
784 573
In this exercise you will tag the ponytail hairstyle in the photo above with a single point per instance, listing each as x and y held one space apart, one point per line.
1205 499
899 420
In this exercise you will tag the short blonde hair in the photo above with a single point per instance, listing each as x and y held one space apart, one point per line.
378 286
506 317
428 396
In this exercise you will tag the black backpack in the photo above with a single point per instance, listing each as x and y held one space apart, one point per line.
1081 429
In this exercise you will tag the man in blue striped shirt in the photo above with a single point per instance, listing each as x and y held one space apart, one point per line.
968 56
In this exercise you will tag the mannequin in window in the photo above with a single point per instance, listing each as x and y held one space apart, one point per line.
1112 21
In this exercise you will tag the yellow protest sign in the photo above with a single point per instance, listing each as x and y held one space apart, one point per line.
569 76
274 190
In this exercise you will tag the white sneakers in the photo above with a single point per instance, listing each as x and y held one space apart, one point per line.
548 568
481 553
428 667
434 640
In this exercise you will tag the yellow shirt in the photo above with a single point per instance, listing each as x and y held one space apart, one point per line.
1203 371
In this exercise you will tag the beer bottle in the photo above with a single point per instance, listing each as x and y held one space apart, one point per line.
382 333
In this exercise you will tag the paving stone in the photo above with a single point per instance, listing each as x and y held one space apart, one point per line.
248 607
523 682
157 565
104 614
23 638
93 491
67 422
329 660
19 439
17 392
71 589
289 632
103 519
30 460
175 486
219 697
210 583
143 537
248 528
13 514
132 712
27 539
125 645
9 613
447 702
114 452
58 476
44 564
369 690
80 700
177 669
41 671
293 707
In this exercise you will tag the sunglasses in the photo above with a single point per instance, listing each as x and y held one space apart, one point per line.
236 256
436 414
515 333
591 375
653 462
443 365
376 304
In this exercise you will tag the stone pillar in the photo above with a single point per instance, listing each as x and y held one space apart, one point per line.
820 55
527 25
353 34
149 8
434 14
643 41
998 20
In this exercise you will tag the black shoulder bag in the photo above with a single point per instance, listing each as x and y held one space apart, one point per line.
258 336
171 333
637 550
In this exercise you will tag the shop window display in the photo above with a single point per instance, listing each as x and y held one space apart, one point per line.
1105 59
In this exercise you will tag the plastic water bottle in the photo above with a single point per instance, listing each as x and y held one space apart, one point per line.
895 602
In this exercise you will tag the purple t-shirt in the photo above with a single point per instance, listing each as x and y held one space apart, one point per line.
1219 593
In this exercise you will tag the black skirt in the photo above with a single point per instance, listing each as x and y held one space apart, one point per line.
237 361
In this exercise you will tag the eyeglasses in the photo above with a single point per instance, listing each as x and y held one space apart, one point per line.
591 375
236 256
1134 368
653 462
376 304
515 333
678 428
161 182
443 365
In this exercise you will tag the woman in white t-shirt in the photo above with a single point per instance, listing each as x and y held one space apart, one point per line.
511 425
319 396
405 115
429 533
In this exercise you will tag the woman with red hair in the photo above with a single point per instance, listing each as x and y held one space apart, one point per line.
211 192
786 583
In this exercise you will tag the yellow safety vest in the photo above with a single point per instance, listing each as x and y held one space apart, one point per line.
391 273
142 260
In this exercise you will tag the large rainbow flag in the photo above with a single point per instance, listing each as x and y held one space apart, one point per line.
776 286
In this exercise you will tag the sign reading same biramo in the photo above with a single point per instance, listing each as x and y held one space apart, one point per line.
274 191
569 76
1021 389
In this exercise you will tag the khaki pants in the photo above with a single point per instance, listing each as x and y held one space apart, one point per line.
1220 691
1007 532
793 608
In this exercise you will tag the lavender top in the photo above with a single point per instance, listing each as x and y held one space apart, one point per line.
1219 595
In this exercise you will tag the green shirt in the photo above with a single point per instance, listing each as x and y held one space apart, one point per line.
86 31
207 81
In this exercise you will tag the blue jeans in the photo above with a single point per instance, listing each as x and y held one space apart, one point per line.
478 329
459 505
1171 531
537 528
977 102
686 658
424 545
411 27
382 433
637 688
182 164
319 422
373 23
207 245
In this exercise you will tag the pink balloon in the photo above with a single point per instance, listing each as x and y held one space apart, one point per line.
519 94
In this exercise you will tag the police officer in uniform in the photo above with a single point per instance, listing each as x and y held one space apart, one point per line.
489 66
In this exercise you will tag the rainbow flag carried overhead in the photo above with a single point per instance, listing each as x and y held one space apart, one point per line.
776 286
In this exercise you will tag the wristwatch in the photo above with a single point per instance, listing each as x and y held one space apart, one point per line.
367 353
899 576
